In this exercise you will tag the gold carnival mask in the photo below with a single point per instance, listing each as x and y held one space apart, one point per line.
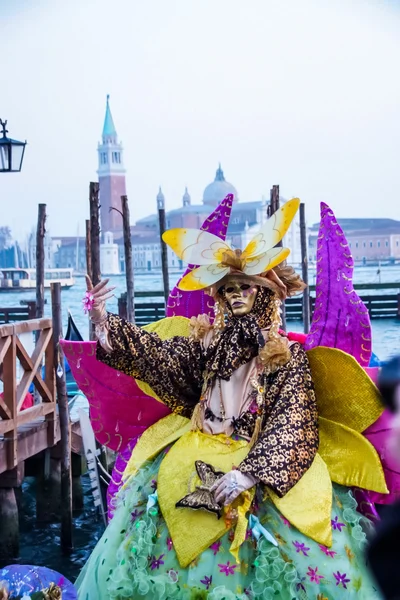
240 296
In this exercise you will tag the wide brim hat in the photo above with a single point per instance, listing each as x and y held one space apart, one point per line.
217 261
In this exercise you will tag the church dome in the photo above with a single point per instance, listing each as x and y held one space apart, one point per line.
216 191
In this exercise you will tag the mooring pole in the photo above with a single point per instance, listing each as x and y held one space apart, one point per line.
273 207
63 411
130 290
40 235
304 268
164 251
93 254
88 249
95 231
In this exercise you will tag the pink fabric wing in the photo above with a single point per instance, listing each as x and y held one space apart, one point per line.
192 304
119 410
340 318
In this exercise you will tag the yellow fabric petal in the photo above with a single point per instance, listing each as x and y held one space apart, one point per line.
193 531
273 231
308 504
202 277
154 439
345 393
246 498
170 327
266 261
351 459
165 329
195 246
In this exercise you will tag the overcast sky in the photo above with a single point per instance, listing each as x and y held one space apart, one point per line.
302 93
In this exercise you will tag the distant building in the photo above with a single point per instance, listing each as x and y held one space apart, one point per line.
370 240
70 252
111 174
50 247
109 256
245 222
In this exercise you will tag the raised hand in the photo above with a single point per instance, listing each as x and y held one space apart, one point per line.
95 300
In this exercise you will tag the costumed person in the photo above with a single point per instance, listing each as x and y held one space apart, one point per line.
243 490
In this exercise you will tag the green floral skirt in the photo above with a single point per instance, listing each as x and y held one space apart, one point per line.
135 558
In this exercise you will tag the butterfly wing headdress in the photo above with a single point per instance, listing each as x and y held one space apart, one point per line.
217 258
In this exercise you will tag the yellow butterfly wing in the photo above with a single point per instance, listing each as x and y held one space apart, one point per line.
265 261
273 230
202 277
196 247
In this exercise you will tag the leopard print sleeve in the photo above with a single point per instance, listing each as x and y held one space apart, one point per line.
172 368
289 439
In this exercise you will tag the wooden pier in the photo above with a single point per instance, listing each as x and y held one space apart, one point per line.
29 436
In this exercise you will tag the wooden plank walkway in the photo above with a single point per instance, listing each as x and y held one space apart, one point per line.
32 438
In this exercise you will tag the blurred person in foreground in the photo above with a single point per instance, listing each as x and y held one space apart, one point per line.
384 551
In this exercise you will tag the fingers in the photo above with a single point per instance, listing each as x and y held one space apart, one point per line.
102 292
231 497
103 295
102 284
97 288
101 299
89 284
219 484
220 490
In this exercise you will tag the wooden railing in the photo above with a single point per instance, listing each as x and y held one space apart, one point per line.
380 306
20 313
12 350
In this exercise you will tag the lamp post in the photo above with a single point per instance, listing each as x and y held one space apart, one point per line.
11 152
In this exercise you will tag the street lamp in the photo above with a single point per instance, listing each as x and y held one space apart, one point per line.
11 152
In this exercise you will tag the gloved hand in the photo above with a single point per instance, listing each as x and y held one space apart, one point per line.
95 304
233 483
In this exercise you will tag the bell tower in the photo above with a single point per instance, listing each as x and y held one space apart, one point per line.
111 174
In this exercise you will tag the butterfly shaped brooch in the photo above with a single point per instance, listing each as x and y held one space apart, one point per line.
202 497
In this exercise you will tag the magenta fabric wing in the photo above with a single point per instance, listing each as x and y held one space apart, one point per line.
116 476
119 410
192 304
378 435
340 320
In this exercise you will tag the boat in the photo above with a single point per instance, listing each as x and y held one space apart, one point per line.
24 280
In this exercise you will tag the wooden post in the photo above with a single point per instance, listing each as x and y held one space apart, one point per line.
9 526
40 233
93 254
304 268
66 479
272 208
164 251
130 307
89 269
88 250
95 231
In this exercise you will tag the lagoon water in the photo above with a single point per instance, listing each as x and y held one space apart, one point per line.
88 524
386 338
